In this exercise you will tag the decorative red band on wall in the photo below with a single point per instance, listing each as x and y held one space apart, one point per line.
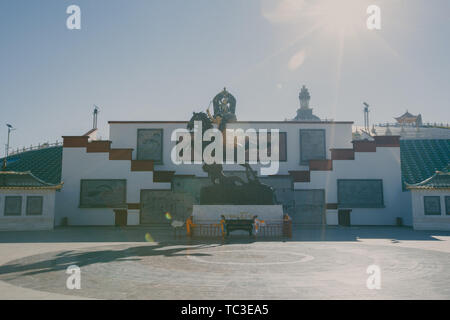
300 176
342 154
98 146
141 165
120 154
387 141
320 165
134 206
75 141
163 176
364 146
332 205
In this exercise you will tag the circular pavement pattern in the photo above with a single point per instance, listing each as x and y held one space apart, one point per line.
261 270
252 257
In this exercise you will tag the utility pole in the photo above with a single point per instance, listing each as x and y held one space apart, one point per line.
95 115
5 159
366 117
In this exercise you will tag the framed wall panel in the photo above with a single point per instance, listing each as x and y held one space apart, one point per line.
150 145
34 205
432 205
312 145
360 193
156 205
13 206
282 151
309 207
103 193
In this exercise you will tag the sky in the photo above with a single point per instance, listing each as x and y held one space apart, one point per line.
164 59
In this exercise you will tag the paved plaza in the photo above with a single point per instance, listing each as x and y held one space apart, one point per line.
149 263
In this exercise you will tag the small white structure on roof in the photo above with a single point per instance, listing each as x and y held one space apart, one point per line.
26 202
431 202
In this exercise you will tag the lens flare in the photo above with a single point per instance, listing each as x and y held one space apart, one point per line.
148 237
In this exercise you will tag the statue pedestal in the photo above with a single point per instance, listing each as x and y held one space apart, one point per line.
270 222
209 214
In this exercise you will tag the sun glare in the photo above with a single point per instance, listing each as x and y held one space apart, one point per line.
345 17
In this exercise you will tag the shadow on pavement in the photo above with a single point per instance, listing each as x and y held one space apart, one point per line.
165 234
65 259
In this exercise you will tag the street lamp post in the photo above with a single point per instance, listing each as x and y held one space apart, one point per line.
366 116
10 128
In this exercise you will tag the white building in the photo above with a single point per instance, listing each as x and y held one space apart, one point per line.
431 202
324 177
26 202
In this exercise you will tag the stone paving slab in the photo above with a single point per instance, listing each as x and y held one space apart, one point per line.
317 263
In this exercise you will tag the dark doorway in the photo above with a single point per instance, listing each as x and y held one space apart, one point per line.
344 217
120 217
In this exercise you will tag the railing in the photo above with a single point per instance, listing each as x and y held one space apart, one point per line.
37 147
423 125
271 230
281 229
207 230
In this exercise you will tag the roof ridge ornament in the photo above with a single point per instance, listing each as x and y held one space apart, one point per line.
304 113
224 102
304 97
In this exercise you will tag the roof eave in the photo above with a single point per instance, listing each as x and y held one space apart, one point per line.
427 188
53 187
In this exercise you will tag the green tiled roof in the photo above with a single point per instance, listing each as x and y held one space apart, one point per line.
45 164
420 159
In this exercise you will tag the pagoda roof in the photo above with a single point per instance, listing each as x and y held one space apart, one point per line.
421 158
24 180
407 117
440 180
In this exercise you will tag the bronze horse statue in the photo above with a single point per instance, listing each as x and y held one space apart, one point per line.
215 173
233 189
200 116
228 189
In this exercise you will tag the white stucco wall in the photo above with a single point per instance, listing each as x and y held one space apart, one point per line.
337 135
24 222
133 217
429 222
383 164
332 217
77 165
